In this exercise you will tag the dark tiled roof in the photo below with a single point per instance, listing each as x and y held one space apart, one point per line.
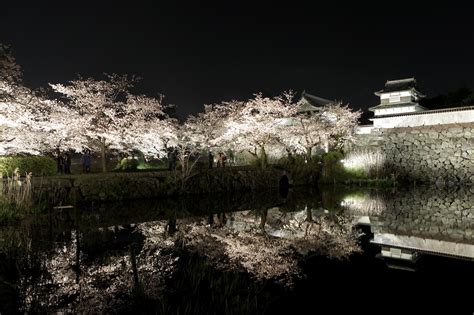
315 100
311 103
398 85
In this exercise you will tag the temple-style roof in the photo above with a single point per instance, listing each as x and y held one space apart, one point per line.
311 103
399 85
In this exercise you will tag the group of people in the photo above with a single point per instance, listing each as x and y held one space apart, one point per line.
63 162
221 159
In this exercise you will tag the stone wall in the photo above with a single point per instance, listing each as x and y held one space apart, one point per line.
142 185
438 153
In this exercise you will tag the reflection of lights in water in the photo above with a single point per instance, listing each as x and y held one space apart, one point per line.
363 204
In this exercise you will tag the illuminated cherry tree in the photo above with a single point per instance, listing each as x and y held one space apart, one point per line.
34 125
257 125
263 126
30 123
144 125
98 101
10 112
60 127
208 127
116 119
187 148
331 126
343 123
10 71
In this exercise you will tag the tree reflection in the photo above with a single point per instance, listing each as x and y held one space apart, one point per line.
269 243
91 266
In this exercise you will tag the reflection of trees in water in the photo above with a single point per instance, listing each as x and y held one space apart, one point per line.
92 270
83 261
269 243
103 279
192 251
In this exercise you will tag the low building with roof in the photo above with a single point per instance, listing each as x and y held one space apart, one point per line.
309 103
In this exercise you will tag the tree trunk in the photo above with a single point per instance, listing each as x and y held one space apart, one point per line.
309 155
102 151
263 158
309 214
136 281
263 219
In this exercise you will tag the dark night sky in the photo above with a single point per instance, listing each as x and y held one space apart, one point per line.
207 53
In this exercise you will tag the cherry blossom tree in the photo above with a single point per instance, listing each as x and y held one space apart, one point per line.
100 103
146 126
333 125
208 126
305 131
10 71
60 127
38 126
116 119
257 125
30 123
10 80
188 149
343 122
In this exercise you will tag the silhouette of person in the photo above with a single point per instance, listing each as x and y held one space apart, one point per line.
67 163
59 162
86 161
210 157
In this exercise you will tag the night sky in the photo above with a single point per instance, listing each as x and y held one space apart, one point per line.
199 54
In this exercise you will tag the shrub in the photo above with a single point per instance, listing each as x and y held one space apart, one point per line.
301 171
152 164
37 165
141 164
333 170
128 164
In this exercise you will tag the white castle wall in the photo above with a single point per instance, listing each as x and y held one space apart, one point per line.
427 118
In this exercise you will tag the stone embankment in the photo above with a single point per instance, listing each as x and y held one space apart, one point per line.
441 154
143 185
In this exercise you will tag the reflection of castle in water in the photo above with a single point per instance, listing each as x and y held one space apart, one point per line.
425 220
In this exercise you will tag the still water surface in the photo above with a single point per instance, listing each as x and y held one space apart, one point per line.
241 253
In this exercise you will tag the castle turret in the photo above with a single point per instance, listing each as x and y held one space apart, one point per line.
398 97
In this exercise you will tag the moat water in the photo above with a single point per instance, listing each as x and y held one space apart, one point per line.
243 253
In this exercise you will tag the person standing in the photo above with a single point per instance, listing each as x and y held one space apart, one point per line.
224 159
59 162
219 159
210 157
231 157
67 164
86 161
